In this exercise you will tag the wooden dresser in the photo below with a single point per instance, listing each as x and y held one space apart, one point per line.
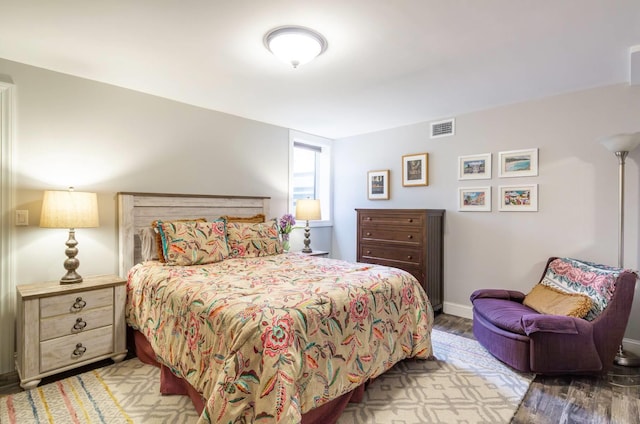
409 239
61 327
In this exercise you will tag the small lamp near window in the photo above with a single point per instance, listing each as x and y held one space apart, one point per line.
69 209
307 210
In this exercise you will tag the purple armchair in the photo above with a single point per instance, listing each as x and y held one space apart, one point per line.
553 344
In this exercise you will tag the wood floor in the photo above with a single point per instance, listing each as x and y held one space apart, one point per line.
614 399
550 400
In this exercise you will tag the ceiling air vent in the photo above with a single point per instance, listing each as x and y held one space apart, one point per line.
443 128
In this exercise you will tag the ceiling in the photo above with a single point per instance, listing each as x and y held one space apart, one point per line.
389 62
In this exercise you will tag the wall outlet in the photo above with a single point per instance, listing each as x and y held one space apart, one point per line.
22 217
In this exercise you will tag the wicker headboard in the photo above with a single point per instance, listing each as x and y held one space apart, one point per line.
138 210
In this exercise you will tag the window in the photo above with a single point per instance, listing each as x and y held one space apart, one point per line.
310 171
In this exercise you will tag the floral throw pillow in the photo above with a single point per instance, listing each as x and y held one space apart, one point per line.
193 243
587 278
249 240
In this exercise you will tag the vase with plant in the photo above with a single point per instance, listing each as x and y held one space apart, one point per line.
286 226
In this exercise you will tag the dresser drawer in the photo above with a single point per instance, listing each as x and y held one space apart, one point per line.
75 302
64 351
408 256
407 235
64 325
392 219
414 270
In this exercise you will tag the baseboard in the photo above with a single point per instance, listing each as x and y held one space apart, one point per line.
9 382
463 311
631 345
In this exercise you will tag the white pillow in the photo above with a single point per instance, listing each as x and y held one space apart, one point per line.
148 247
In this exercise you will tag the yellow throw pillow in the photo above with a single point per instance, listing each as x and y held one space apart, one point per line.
547 300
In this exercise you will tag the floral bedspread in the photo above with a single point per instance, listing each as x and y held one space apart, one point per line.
267 339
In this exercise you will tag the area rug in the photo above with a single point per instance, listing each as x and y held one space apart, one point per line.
465 384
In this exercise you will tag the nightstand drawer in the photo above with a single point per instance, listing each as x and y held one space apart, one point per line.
64 325
75 302
63 351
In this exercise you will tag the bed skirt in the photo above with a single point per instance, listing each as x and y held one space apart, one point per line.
170 384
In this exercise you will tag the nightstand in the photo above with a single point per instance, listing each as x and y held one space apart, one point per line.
65 326
319 253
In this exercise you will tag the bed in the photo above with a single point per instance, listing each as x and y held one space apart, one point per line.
277 337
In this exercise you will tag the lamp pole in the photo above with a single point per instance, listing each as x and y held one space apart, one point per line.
621 145
621 157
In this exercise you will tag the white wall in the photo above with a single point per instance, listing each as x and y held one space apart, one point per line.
577 181
101 138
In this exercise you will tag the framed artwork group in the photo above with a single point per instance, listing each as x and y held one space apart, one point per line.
415 172
477 198
513 198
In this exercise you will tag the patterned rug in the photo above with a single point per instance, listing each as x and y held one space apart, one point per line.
464 385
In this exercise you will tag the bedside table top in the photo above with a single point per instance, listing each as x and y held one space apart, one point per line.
53 288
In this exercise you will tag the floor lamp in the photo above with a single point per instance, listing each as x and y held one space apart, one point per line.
621 145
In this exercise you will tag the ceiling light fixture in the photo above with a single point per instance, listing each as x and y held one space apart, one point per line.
295 45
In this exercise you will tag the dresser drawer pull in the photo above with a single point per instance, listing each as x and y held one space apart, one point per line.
79 304
368 218
79 350
409 257
368 252
410 219
409 236
368 234
80 324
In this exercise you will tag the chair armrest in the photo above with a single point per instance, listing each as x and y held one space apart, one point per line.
514 295
560 324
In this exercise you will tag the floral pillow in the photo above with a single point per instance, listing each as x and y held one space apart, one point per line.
587 278
248 240
193 243
159 247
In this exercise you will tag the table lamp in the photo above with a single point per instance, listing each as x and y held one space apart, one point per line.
307 210
69 209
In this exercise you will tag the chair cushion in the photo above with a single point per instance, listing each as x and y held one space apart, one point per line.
504 314
548 300
587 278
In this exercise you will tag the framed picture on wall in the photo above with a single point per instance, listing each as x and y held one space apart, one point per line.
474 167
476 199
378 185
518 198
415 170
518 163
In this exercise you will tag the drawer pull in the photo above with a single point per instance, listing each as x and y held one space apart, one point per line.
80 324
79 350
368 218
368 234
409 257
368 252
79 304
410 219
409 236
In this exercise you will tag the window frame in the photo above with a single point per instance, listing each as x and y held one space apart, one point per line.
324 178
